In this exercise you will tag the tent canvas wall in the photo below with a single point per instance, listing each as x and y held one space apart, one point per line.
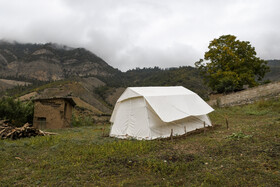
151 112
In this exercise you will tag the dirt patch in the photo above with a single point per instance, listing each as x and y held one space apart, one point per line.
28 96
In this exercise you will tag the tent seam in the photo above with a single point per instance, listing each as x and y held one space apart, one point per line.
148 118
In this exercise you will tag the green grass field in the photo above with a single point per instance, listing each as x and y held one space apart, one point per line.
246 154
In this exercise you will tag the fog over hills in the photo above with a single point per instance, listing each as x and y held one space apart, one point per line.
48 62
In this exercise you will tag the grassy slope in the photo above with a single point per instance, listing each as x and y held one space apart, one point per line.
82 156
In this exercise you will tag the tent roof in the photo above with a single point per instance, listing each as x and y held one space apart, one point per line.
170 103
154 91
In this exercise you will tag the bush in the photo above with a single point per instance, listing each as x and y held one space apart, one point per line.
18 112
238 136
78 121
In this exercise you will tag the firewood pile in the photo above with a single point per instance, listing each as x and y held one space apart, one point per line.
9 132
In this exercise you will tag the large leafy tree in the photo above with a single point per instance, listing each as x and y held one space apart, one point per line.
230 63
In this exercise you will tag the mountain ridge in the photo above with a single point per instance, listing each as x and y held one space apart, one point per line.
49 62
43 63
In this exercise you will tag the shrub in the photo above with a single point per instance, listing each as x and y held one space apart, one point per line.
238 136
18 112
78 121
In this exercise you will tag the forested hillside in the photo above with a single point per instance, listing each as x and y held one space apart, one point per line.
186 76
40 64
274 74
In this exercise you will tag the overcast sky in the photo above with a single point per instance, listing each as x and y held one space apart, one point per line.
143 33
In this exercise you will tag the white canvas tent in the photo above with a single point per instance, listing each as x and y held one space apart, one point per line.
151 112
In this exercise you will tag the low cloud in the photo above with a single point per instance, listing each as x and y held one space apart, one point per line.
143 33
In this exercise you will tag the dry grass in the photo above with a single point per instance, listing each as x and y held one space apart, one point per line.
247 154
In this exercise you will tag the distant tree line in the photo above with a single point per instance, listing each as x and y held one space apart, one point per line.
186 76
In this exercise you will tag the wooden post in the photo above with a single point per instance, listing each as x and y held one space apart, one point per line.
171 134
103 131
227 123
204 127
185 129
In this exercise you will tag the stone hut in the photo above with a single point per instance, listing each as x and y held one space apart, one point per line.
53 113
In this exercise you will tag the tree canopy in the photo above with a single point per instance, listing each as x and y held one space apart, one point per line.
230 64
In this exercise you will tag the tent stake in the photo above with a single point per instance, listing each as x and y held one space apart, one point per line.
204 126
227 123
103 134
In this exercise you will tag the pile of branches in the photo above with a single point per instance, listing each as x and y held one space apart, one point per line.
9 132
